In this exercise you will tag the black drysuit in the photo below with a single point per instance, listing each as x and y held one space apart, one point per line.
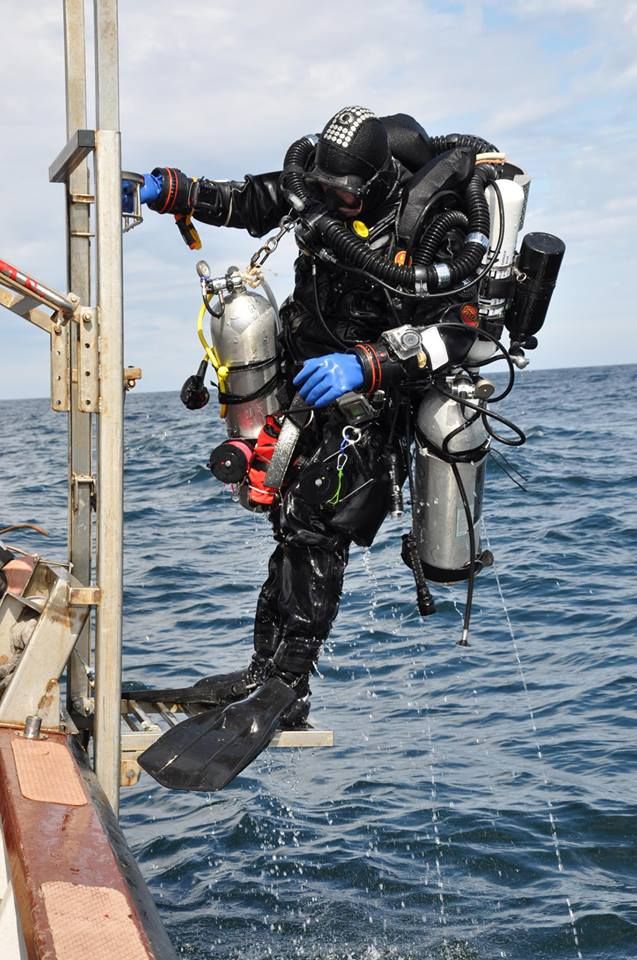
327 312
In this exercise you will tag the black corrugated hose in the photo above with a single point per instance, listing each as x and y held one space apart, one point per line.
353 251
435 235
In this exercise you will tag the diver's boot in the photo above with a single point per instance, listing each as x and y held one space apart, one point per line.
294 666
215 691
296 716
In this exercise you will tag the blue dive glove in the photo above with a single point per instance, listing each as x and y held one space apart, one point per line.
324 379
150 190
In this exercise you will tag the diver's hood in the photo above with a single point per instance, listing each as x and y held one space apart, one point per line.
353 155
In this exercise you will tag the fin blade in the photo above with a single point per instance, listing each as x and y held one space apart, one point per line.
207 751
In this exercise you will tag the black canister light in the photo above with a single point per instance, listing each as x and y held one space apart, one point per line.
538 265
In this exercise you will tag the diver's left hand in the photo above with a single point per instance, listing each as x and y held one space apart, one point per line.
324 379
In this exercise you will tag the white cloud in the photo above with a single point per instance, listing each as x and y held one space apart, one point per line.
557 7
221 91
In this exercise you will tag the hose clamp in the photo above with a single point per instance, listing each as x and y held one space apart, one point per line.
480 238
420 277
443 273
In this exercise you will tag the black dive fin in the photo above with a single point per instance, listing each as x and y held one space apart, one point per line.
207 751
219 689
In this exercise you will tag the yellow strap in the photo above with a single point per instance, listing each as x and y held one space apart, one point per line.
212 357
210 352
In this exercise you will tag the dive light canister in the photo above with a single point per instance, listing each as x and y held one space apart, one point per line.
538 265
244 336
448 431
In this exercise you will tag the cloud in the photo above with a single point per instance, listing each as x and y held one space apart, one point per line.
222 91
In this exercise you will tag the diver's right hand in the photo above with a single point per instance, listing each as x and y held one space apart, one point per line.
149 191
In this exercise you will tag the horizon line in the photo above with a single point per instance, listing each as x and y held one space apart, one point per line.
530 369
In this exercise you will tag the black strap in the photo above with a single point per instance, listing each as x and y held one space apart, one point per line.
268 387
467 456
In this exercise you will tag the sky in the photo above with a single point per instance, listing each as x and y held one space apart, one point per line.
222 89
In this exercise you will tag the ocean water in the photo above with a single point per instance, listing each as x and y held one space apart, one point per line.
478 803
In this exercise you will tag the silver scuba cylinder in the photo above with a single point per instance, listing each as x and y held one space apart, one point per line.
496 288
244 335
439 516
493 304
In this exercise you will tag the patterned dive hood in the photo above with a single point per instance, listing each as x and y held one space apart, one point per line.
352 151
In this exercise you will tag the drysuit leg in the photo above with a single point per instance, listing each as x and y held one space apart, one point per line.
267 618
310 586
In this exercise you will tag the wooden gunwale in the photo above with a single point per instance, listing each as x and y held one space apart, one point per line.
80 845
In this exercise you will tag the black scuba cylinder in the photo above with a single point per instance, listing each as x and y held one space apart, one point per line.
538 265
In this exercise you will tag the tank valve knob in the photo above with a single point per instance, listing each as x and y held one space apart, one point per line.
484 388
517 356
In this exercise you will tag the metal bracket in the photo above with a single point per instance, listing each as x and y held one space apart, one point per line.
77 479
26 307
49 705
88 361
43 634
77 149
60 367
131 376
85 596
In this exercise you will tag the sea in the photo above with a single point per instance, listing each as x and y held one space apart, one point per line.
479 802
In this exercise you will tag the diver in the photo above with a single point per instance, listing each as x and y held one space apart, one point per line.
401 282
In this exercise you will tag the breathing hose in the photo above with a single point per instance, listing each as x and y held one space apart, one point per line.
452 140
353 251
292 181
436 233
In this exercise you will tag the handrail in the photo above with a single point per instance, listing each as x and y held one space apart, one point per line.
13 277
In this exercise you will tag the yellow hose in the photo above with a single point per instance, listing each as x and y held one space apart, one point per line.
211 355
